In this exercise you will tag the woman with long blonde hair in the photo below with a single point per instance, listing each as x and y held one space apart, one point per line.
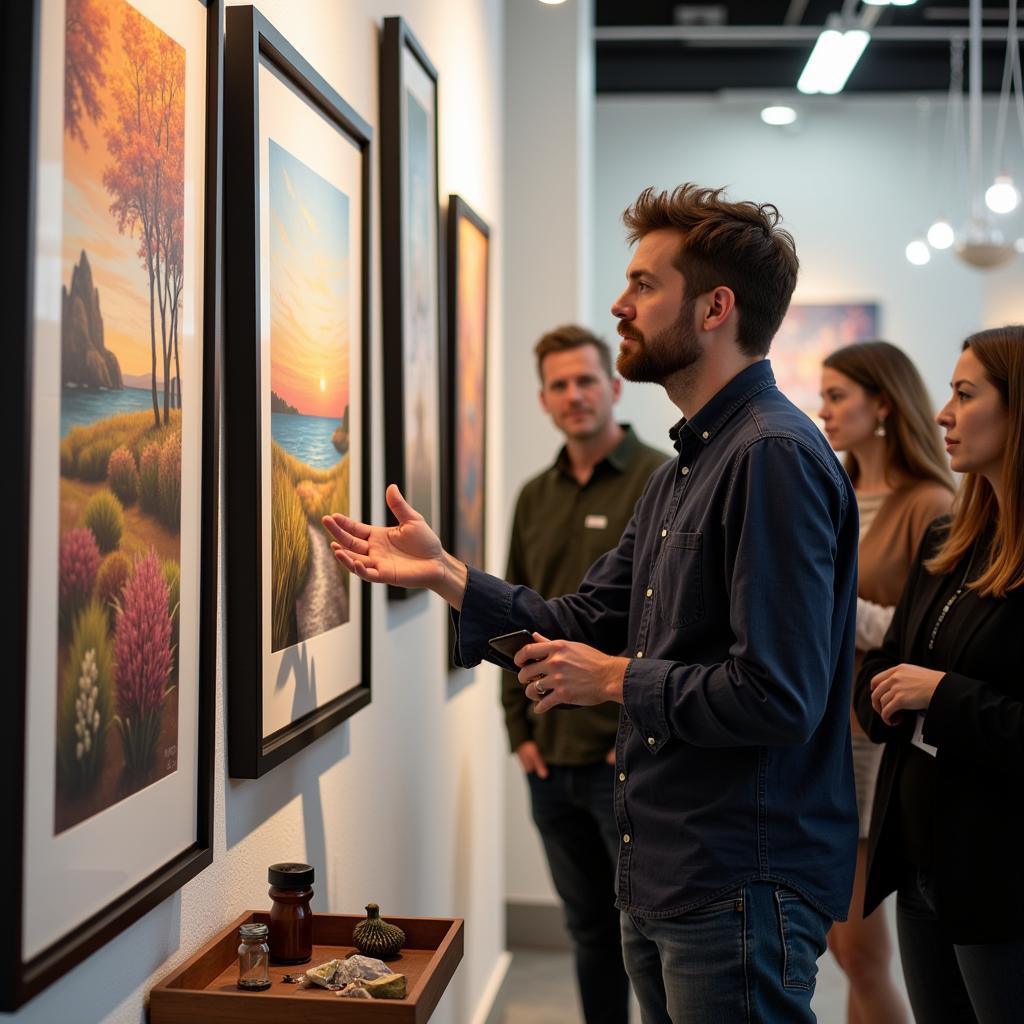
945 693
875 408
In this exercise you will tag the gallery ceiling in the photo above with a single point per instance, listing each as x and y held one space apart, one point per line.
662 46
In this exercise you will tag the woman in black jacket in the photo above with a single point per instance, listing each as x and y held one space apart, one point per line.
945 693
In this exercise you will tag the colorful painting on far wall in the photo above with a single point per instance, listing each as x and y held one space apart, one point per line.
469 241
121 407
420 335
410 284
309 396
808 334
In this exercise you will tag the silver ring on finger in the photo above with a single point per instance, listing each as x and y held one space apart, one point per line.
542 691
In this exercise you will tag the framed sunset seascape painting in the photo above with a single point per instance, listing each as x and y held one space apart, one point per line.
297 160
411 272
110 425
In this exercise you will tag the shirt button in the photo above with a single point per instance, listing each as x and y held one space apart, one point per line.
622 776
639 654
664 533
705 435
651 741
685 471
650 593
625 838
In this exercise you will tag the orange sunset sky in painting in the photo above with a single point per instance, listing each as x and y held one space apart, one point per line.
88 224
309 287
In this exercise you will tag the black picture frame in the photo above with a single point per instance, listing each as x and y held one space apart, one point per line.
250 38
22 978
460 211
397 40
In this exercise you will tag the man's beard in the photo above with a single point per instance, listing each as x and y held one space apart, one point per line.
659 357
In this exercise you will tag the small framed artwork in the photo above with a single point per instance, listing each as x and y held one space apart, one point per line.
296 396
111 112
411 264
809 332
466 383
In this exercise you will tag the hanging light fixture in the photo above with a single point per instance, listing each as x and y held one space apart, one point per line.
940 235
918 252
1002 196
982 244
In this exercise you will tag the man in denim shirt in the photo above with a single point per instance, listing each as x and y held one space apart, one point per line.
723 622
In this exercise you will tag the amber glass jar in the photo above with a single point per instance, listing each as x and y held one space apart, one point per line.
291 920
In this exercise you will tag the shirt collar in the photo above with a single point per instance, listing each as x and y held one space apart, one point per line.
709 420
618 458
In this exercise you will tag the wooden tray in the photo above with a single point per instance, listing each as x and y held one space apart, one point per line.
204 991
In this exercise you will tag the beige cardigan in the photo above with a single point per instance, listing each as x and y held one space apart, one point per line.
889 547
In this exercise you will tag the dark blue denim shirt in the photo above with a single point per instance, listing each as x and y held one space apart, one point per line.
733 593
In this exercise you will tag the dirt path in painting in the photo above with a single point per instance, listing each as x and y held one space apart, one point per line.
323 602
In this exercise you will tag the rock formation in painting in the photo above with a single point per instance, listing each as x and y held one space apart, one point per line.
85 360
278 404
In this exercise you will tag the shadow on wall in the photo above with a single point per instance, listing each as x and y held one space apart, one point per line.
125 966
249 803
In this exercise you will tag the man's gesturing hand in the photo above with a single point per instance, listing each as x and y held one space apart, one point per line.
406 555
563 672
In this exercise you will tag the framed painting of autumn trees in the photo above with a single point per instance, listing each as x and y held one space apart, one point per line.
297 417
111 115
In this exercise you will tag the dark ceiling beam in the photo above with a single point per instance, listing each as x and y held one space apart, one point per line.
780 35
690 69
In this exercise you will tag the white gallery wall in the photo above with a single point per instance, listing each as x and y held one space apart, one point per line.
854 185
402 804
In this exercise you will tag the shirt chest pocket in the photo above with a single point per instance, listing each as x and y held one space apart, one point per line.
679 582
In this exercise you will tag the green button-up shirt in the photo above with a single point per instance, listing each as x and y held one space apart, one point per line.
559 530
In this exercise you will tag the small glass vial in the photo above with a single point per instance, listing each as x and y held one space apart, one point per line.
253 958
291 920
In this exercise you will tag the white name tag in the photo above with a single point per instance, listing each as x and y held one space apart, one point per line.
596 522
918 739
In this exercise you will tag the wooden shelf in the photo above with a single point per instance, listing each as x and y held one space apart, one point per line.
203 990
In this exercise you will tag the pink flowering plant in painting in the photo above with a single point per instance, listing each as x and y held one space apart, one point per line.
143 661
79 561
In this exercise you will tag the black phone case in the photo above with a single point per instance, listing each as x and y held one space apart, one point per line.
509 644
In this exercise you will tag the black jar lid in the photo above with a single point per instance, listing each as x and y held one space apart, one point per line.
290 876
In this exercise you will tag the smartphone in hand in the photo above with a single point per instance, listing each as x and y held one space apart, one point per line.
510 644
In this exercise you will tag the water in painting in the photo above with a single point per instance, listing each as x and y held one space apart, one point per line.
309 396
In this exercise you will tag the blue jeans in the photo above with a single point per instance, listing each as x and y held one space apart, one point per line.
947 983
748 958
575 816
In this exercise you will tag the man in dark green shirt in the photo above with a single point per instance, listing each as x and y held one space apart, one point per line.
565 519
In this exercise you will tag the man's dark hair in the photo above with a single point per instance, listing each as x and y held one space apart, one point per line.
739 245
566 338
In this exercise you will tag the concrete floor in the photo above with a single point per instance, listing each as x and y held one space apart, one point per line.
540 988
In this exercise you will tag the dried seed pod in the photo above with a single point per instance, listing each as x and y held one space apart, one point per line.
375 937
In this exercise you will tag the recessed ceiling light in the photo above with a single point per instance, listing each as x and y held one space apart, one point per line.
778 115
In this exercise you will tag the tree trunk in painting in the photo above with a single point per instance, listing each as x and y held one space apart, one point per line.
146 142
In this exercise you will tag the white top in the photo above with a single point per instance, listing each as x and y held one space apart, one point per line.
872 619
